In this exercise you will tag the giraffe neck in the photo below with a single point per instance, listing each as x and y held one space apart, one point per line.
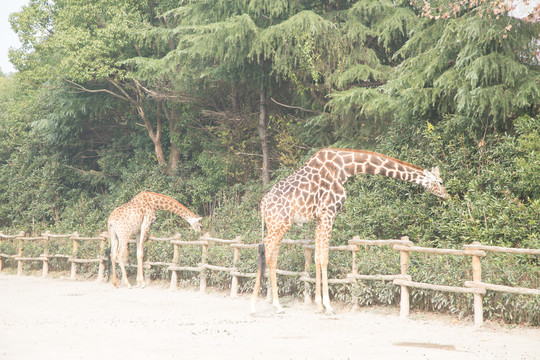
162 202
366 162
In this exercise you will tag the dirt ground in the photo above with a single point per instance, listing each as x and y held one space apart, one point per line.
64 319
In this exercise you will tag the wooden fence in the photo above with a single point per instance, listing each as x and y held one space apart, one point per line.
405 247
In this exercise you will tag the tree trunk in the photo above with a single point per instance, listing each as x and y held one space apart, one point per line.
155 136
159 152
264 139
234 95
174 155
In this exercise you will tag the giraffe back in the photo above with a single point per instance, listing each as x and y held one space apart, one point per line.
127 218
315 188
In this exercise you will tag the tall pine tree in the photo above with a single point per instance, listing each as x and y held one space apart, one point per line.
478 73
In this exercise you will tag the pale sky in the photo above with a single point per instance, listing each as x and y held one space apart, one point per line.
521 10
8 38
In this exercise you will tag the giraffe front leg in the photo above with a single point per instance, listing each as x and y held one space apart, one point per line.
271 251
272 267
140 254
140 275
318 297
326 297
145 227
322 240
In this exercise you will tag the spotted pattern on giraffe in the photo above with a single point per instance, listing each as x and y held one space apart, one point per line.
135 218
316 191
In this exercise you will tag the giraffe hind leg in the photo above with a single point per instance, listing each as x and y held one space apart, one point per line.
114 277
272 250
123 254
113 253
260 278
322 238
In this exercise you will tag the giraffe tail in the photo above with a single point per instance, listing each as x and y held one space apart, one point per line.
113 242
262 264
108 256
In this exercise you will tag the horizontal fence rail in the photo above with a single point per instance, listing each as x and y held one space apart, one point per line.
475 251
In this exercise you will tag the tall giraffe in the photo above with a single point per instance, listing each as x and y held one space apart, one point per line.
136 217
316 190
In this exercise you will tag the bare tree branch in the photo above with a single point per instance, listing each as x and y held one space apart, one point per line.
88 172
107 91
296 107
248 154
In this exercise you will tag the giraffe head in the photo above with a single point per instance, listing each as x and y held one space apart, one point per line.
195 222
434 184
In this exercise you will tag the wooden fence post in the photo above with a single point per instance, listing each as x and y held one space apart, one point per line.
19 251
404 259
477 277
45 254
176 256
354 271
308 255
74 255
236 257
204 259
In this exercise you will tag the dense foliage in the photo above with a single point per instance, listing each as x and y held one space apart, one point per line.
211 101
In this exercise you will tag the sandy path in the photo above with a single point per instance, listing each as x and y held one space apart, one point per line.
62 319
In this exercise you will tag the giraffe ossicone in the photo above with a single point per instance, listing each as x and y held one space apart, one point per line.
135 218
316 191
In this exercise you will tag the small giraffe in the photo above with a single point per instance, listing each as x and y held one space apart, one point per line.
136 217
316 190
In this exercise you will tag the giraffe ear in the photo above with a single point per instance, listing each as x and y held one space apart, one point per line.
435 171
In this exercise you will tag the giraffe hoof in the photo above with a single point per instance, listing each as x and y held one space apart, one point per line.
329 312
